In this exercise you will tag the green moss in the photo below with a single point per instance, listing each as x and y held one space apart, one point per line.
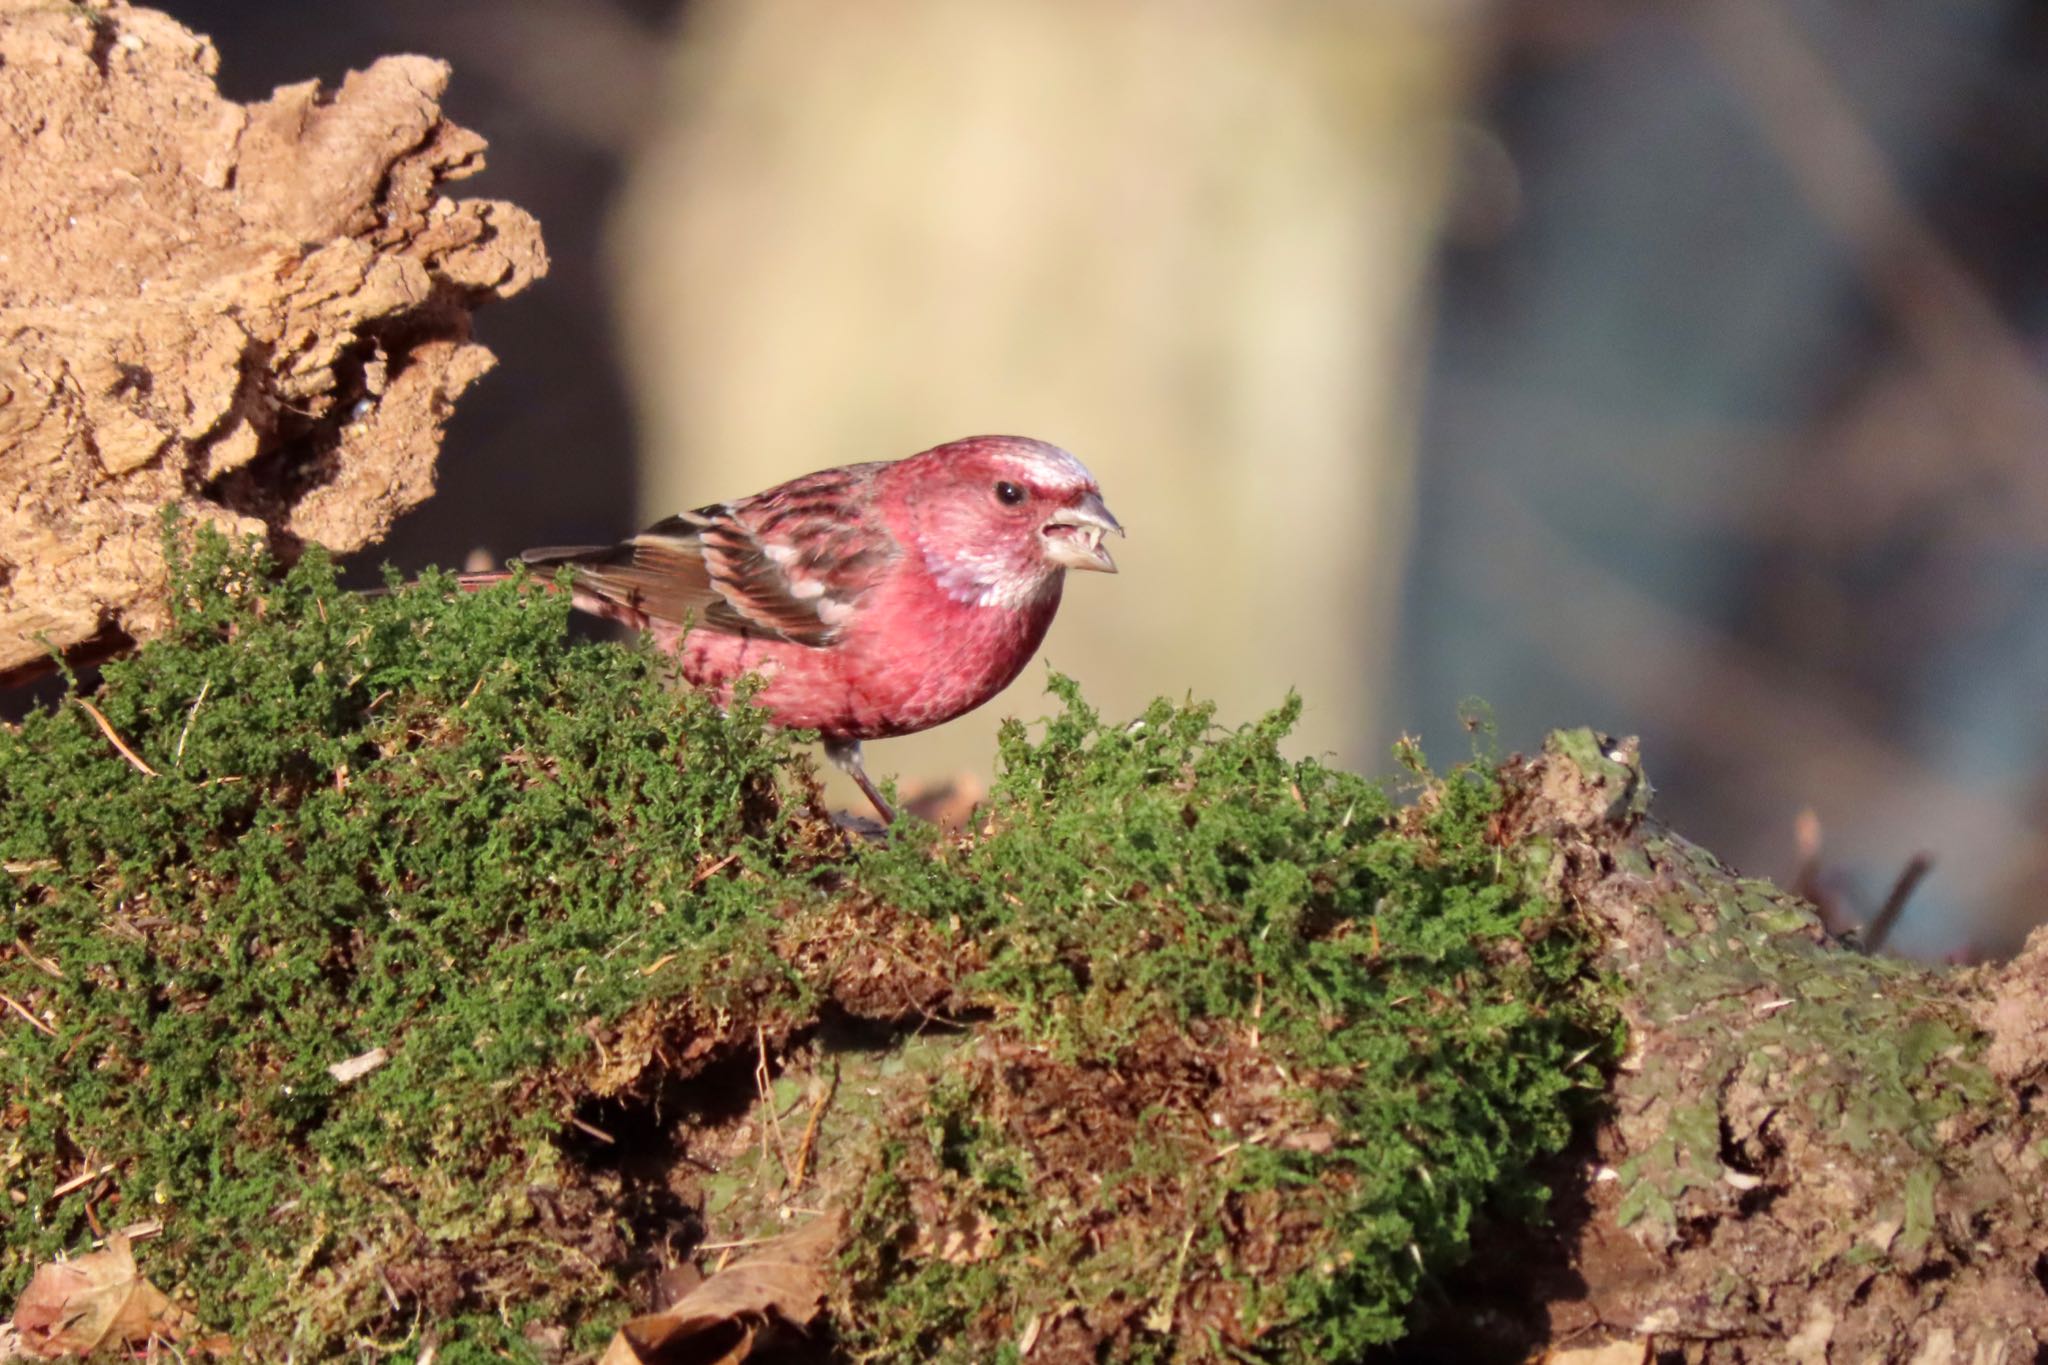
1252 1047
1859 1048
373 824
1388 1017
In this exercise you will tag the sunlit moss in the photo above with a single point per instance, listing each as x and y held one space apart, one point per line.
424 822
1358 1022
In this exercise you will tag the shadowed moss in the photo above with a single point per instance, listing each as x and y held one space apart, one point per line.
1251 1046
1760 1012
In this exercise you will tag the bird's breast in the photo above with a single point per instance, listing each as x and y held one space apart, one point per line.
909 660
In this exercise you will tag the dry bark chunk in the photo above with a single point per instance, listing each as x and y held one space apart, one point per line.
258 313
2013 1012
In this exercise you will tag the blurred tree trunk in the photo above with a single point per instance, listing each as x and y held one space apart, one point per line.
1186 243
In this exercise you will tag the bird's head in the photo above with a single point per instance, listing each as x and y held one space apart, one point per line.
999 519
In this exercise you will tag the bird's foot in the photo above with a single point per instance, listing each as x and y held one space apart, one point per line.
845 755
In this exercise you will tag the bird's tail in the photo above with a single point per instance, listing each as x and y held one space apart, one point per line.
535 568
539 568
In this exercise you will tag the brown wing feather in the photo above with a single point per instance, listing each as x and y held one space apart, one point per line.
789 563
658 582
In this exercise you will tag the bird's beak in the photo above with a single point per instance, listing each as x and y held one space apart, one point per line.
1073 535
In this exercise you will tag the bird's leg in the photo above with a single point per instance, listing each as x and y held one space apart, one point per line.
845 756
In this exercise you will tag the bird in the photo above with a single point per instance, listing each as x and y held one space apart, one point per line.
873 600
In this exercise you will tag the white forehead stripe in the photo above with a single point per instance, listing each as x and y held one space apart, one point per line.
1048 464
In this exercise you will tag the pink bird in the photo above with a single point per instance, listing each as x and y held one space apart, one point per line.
874 600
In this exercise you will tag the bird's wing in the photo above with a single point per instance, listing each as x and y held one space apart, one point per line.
790 563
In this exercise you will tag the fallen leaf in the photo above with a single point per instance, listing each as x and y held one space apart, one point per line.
1628 1351
72 1308
716 1323
1030 1337
967 1237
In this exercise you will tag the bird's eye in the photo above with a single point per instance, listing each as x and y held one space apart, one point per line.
1008 494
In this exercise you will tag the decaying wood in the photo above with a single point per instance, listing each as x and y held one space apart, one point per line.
257 313
1809 1153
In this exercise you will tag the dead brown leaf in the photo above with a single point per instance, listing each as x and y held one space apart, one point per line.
968 1236
72 1308
717 1322
1628 1351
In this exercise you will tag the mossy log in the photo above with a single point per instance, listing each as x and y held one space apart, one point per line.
399 977
1806 1152
407 977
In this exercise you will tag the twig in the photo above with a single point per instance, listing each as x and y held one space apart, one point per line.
47 966
107 729
706 874
82 1179
135 1232
356 1067
22 1010
178 759
1910 877
764 1084
1836 917
1808 883
619 946
600 1134
591 1031
1160 1319
810 1138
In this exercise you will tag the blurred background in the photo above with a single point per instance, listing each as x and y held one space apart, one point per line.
1673 369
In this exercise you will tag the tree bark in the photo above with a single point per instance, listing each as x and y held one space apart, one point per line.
258 314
